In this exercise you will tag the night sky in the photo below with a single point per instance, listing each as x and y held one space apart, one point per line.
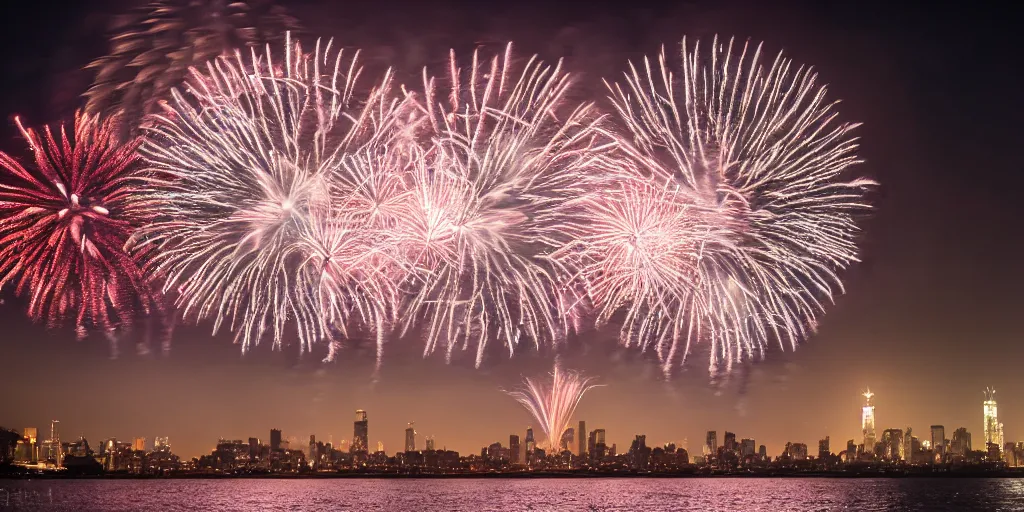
930 318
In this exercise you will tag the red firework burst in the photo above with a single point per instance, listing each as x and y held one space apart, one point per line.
64 225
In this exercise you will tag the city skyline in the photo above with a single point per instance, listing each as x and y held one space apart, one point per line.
360 435
929 317
235 457
279 455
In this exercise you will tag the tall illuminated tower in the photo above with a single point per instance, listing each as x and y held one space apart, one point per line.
867 422
993 429
55 447
361 433
313 456
939 441
410 438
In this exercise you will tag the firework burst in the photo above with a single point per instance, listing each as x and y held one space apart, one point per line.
742 218
553 404
253 229
351 269
502 151
154 46
64 224
635 250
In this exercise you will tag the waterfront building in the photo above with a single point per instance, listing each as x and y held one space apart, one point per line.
361 433
410 438
867 422
993 429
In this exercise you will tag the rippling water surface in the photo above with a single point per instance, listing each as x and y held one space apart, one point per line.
509 495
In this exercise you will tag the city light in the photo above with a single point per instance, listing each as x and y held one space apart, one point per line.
898 451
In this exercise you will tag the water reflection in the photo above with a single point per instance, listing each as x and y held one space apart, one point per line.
506 495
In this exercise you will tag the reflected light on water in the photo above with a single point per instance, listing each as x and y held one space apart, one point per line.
476 495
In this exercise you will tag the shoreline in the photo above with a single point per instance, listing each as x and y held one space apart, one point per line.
526 475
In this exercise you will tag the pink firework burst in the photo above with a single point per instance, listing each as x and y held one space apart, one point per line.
64 224
754 154
504 149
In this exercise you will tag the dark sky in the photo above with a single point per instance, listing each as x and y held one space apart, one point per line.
929 320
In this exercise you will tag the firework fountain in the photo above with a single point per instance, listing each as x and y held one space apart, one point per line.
553 405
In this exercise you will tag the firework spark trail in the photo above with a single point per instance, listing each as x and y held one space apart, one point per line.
153 47
247 232
354 246
635 250
755 154
503 151
553 405
64 224
352 269
718 209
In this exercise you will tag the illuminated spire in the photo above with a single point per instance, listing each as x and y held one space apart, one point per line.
867 422
993 429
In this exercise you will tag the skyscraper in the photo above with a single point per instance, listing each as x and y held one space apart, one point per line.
892 444
275 440
161 444
254 448
747 448
938 440
824 448
513 449
410 438
30 444
430 443
993 429
867 422
596 445
139 445
582 435
961 443
798 451
908 445
313 456
55 453
530 443
730 442
361 434
711 443
639 453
